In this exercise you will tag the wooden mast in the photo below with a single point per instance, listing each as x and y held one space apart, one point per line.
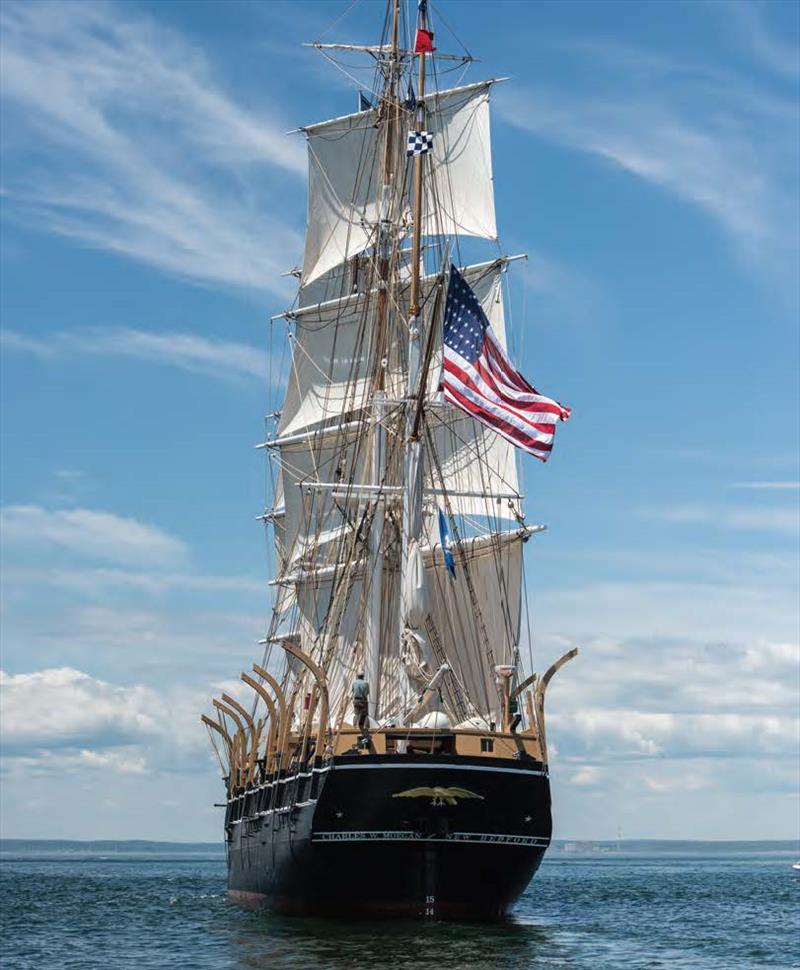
413 458
390 106
416 230
386 240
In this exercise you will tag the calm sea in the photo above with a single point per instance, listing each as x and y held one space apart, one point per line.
730 908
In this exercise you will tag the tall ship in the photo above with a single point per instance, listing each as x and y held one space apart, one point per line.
387 753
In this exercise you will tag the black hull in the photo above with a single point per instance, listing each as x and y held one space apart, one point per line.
335 841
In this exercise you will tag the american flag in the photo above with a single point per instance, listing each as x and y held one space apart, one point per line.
479 378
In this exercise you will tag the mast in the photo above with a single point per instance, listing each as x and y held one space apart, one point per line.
356 434
372 632
413 458
416 232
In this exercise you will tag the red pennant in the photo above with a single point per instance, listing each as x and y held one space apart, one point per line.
424 42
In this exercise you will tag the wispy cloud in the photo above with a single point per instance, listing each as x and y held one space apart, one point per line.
714 140
31 529
222 359
781 520
93 582
748 22
119 136
768 486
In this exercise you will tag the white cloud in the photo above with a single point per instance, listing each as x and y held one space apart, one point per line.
62 720
65 707
89 533
93 582
587 776
632 733
684 611
643 700
664 783
119 136
222 359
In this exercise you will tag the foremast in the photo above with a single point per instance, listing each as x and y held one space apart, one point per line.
387 241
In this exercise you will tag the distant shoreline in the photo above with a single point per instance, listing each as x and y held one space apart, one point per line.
559 846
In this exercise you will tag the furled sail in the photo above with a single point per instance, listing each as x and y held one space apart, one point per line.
344 164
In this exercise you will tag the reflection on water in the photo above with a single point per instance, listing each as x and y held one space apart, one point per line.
264 940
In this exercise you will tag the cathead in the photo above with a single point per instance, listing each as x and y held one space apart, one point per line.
387 755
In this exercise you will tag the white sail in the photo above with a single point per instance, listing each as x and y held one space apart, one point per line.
468 456
315 523
331 603
331 367
344 167
468 626
331 372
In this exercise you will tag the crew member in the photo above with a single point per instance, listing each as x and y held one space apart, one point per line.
361 702
514 715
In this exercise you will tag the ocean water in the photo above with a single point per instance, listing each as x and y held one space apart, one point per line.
116 910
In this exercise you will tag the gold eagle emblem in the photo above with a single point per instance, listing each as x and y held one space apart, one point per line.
438 795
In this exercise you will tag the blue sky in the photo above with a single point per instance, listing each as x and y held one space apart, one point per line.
645 157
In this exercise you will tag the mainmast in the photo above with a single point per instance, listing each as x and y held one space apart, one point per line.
413 457
385 244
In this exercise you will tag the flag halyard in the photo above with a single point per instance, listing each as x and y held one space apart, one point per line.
479 378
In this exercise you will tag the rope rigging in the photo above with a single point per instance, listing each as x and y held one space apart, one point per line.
330 504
